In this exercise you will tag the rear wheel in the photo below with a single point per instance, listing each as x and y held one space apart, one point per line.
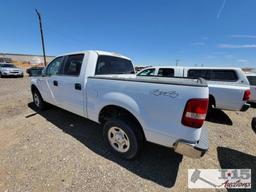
123 137
211 104
38 100
253 124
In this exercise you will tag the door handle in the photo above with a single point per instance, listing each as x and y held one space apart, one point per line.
78 86
55 83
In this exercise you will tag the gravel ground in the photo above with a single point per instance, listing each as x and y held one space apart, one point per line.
58 151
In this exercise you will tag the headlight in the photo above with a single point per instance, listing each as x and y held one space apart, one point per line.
5 70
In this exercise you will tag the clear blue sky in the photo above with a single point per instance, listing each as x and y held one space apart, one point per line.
156 32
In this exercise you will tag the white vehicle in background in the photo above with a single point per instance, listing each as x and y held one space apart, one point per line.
228 87
102 87
252 80
9 69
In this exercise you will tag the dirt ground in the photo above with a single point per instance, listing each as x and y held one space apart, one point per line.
55 150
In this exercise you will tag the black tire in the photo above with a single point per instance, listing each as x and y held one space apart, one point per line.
211 103
38 100
132 132
253 124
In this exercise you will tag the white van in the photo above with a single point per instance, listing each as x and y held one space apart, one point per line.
228 87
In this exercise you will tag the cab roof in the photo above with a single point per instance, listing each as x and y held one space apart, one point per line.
190 67
114 54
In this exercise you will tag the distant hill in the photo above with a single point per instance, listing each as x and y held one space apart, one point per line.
24 60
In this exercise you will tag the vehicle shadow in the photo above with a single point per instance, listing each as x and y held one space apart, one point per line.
253 105
10 77
218 116
233 159
155 163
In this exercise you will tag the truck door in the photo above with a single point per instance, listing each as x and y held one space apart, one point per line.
48 82
70 94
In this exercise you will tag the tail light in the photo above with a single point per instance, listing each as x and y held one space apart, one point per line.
195 113
247 94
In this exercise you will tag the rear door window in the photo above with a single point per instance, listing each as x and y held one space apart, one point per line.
73 64
223 75
165 72
252 80
147 72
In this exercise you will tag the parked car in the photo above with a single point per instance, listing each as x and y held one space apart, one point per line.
228 87
35 71
102 87
252 80
9 69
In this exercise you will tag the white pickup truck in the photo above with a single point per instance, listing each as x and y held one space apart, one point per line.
228 87
102 87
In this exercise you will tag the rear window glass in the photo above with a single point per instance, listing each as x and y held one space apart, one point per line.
113 65
223 75
197 73
252 80
165 72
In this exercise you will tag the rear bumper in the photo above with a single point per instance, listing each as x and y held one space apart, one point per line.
193 150
245 107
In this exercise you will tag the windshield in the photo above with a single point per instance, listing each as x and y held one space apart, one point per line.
113 65
8 65
252 80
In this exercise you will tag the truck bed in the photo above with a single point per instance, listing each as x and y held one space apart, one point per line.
158 103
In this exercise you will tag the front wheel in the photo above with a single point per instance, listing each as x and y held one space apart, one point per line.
38 100
123 137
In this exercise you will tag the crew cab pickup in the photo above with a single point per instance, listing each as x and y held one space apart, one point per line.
228 87
102 87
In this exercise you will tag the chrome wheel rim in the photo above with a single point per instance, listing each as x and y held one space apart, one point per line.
118 139
36 100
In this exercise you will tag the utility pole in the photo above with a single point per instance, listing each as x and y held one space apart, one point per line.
42 35
177 62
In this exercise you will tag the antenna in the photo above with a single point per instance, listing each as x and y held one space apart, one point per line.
42 35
